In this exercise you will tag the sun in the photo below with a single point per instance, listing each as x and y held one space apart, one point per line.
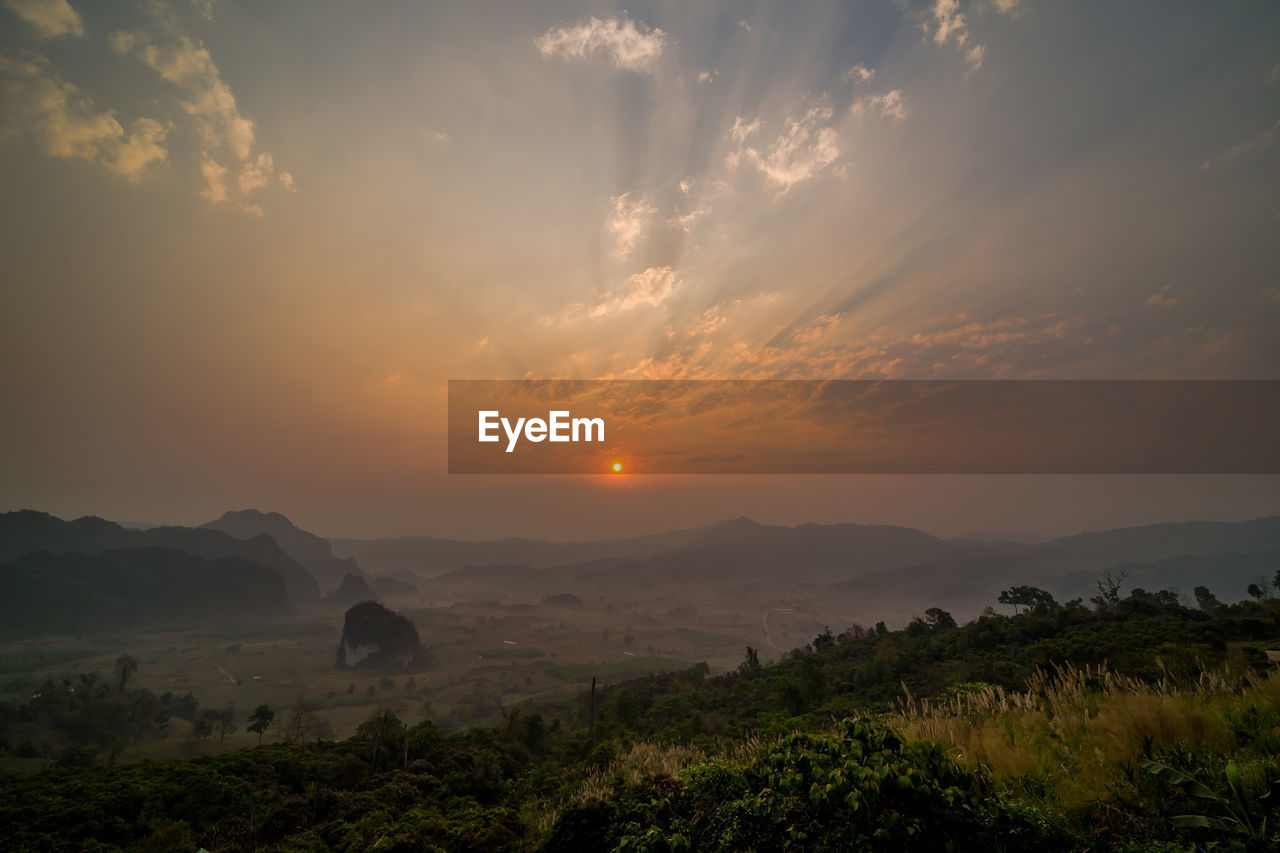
617 467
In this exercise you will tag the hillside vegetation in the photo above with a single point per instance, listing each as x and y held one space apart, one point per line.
1132 724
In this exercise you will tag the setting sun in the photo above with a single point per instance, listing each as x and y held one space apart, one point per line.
617 467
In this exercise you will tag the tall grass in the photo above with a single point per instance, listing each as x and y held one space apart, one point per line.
1079 732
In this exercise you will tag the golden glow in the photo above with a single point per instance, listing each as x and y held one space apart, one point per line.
617 467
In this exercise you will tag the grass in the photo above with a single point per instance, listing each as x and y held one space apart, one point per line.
1079 732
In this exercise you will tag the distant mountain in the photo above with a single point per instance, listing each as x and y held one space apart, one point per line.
891 572
314 553
74 593
973 579
1226 575
353 589
1157 541
27 531
495 574
812 552
388 586
430 556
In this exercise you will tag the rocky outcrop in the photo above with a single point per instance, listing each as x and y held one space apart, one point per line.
375 637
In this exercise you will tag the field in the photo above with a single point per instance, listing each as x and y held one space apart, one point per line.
485 656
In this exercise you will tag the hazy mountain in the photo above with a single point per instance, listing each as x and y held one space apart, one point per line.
314 553
27 531
1226 575
75 592
823 552
353 589
896 572
388 586
971 580
432 556
1157 541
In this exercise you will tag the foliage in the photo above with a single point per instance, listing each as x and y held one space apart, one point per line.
1029 732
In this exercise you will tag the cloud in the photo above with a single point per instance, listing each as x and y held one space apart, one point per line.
949 24
215 179
708 76
817 329
144 146
652 287
741 129
859 73
889 105
628 45
745 26
256 174
626 222
684 221
806 146
1260 142
49 18
187 65
65 123
1012 8
1162 298
709 321
227 136
203 8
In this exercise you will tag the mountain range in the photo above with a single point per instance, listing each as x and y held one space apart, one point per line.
885 569
27 531
312 552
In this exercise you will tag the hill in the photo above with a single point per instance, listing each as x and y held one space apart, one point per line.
76 593
430 555
968 580
354 588
312 552
27 531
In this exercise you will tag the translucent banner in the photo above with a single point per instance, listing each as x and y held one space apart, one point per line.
625 427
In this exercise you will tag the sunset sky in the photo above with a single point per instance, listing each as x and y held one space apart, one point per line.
246 244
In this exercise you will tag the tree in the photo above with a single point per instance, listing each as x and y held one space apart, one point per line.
1030 597
304 724
382 725
752 662
211 720
1260 590
939 619
126 666
825 640
1109 589
853 632
260 720
202 726
1208 602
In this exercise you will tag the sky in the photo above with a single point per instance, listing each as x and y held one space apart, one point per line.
245 245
